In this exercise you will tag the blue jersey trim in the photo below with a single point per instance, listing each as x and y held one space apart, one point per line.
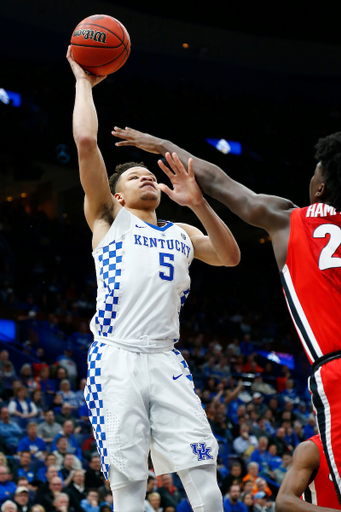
161 228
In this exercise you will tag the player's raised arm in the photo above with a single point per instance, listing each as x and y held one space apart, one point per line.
219 247
305 461
268 212
92 169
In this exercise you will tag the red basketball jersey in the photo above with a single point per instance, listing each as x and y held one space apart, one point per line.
321 490
311 278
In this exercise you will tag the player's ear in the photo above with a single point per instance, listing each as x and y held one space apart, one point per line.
119 198
320 189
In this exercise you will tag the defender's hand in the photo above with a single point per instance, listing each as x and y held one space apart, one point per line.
186 191
138 139
79 72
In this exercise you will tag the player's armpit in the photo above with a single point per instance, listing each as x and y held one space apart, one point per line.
306 460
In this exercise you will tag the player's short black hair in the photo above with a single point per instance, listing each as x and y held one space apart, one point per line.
329 154
119 170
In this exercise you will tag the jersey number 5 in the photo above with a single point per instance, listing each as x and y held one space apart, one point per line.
169 275
327 260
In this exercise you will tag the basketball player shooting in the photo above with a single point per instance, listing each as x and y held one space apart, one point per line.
306 244
140 392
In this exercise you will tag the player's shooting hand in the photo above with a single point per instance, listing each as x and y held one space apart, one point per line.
79 72
186 191
138 139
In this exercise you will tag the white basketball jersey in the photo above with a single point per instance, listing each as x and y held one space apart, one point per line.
143 281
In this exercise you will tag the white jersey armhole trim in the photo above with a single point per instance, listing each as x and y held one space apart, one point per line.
102 242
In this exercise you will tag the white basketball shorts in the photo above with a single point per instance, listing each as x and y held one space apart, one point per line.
139 402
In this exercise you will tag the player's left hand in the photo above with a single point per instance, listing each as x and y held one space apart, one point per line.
186 191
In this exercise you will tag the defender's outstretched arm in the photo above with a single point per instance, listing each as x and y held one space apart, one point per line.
257 209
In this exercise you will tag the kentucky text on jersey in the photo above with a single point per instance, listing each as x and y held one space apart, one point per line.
159 243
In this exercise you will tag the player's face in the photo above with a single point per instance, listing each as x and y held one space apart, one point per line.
317 185
138 188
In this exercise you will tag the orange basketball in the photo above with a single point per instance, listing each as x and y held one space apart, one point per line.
100 44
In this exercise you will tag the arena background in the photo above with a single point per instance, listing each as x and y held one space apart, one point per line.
268 78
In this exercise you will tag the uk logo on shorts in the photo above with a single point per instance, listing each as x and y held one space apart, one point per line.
202 452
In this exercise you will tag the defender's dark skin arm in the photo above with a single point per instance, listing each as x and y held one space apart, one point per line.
305 461
271 213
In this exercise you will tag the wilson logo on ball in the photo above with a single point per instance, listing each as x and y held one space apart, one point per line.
98 36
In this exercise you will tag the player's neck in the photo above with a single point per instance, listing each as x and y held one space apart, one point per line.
145 215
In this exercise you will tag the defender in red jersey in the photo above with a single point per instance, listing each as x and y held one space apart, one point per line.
307 486
307 247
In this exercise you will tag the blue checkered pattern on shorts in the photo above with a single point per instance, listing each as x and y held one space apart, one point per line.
94 400
110 260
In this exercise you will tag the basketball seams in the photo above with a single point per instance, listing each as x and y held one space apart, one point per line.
100 26
118 54
110 61
95 46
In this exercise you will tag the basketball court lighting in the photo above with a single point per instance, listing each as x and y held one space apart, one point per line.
226 146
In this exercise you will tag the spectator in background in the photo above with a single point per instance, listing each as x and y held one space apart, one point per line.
51 472
233 503
90 503
21 498
60 374
9 506
66 470
80 393
61 451
37 400
24 466
26 377
10 431
246 346
262 504
32 443
7 488
61 503
45 474
252 475
290 393
46 499
66 362
245 444
263 486
82 337
262 456
76 490
93 475
5 361
170 496
153 503
8 374
234 477
66 413
47 385
247 499
302 413
274 461
21 405
49 429
72 443
37 508
279 441
310 428
281 471
68 396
